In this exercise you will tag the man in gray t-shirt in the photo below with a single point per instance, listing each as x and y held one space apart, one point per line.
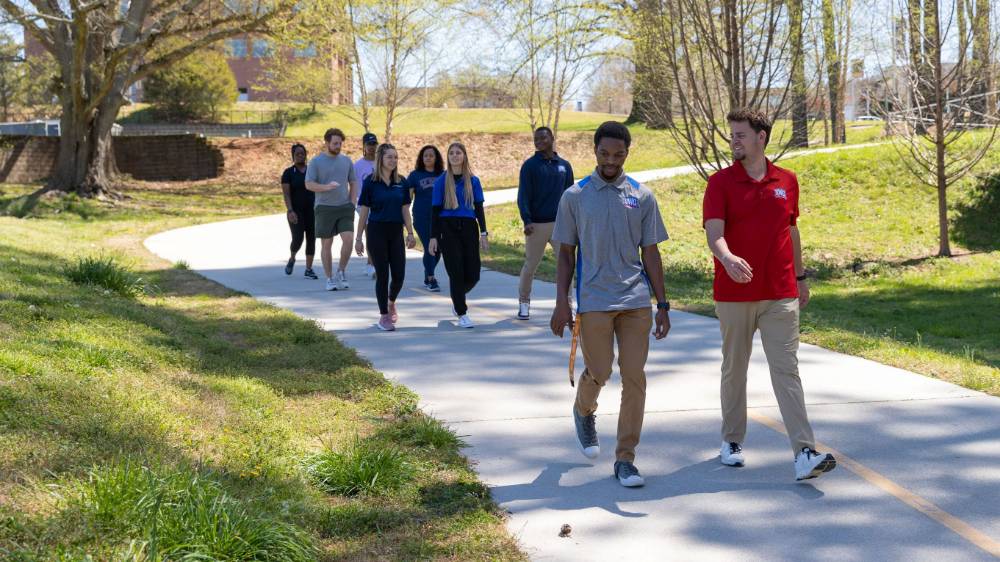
331 176
609 226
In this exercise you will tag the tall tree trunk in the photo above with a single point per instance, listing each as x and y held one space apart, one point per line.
932 38
982 68
833 71
918 79
652 91
800 110
85 162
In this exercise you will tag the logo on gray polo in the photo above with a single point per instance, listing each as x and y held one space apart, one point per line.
630 201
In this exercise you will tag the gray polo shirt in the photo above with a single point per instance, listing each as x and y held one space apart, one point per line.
324 169
608 223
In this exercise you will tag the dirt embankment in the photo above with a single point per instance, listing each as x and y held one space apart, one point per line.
496 158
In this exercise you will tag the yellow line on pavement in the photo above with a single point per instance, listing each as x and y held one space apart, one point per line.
961 528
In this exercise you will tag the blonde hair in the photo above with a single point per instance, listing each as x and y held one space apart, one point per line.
379 155
450 198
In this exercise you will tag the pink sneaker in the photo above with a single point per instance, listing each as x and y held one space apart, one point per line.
393 315
385 324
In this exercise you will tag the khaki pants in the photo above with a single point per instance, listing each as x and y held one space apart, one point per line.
534 249
778 321
598 332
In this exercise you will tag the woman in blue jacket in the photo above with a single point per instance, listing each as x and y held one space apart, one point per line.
458 227
428 168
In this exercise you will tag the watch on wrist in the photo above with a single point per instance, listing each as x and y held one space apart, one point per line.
665 305
484 233
802 277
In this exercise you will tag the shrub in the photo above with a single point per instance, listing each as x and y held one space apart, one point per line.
367 467
107 273
195 88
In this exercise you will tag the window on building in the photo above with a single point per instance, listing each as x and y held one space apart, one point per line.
261 48
305 51
237 48
244 94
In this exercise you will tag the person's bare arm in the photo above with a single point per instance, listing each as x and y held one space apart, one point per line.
562 316
800 269
321 187
653 265
286 192
359 238
352 191
737 268
408 223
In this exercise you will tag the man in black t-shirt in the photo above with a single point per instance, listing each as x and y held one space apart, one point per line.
299 203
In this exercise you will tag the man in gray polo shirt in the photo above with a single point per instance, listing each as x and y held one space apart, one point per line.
331 175
609 225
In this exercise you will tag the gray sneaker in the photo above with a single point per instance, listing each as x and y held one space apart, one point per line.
586 434
628 475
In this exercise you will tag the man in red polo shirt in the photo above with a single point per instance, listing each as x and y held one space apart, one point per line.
749 213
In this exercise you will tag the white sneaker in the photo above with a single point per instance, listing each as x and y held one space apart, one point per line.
331 285
523 311
465 322
628 475
731 454
370 271
342 280
810 464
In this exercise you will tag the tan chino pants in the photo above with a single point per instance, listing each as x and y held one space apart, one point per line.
598 332
778 322
534 250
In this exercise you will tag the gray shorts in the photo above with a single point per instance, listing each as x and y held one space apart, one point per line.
331 221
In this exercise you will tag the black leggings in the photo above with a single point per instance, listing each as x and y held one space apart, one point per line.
460 247
388 254
305 229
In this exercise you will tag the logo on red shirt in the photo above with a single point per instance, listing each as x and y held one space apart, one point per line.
779 193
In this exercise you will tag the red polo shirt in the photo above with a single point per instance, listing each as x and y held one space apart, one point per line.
759 216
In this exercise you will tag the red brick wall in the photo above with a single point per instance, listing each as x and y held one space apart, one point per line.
151 158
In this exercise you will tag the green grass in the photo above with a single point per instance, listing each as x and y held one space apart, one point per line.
868 231
363 467
104 272
166 423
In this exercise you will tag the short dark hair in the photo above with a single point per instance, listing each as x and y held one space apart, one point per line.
613 130
438 160
299 145
546 129
756 118
334 132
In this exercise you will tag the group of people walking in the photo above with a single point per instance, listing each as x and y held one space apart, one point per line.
605 230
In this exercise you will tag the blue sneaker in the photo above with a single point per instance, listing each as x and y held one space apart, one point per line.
432 285
628 475
586 434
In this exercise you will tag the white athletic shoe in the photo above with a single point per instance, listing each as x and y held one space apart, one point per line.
628 475
465 322
331 285
731 454
523 311
342 280
370 271
810 464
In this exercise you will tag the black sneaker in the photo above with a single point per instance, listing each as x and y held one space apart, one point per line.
310 274
586 434
289 266
628 475
432 286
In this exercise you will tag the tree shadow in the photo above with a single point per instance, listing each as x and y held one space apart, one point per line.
976 224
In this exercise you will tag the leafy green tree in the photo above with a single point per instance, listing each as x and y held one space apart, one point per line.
194 89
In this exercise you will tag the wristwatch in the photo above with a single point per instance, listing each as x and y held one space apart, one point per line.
484 233
802 277
665 305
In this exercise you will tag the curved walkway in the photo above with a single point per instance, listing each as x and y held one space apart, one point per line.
920 458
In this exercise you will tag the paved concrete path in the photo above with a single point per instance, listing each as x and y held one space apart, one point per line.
920 459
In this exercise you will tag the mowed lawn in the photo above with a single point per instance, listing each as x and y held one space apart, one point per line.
156 415
869 231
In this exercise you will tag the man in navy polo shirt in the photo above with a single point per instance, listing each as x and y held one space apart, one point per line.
544 178
750 214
